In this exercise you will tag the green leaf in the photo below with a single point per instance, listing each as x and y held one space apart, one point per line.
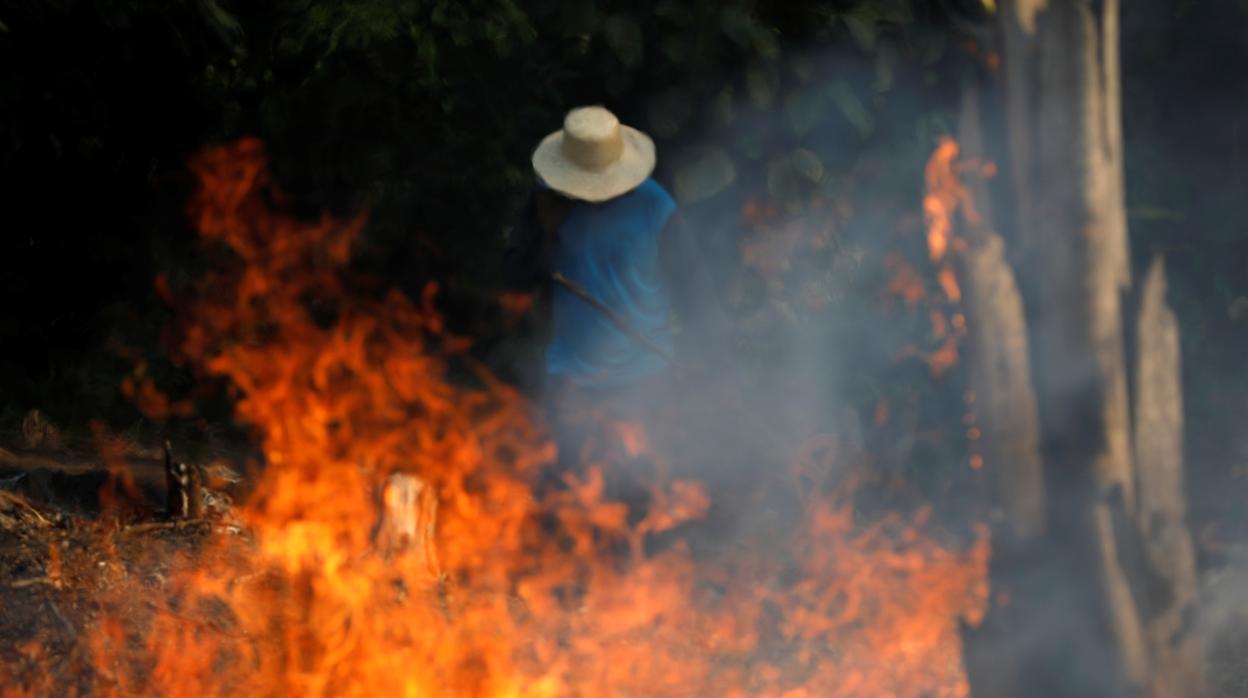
806 164
737 25
931 47
623 35
675 49
930 126
861 25
802 110
801 67
616 82
668 112
886 61
579 18
761 86
893 11
789 176
852 108
750 143
723 108
674 11
707 173
766 44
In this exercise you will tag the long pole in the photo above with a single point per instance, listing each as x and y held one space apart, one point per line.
620 323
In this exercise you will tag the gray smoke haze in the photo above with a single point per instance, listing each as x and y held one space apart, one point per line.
817 336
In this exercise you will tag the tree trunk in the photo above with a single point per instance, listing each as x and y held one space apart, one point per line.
999 373
999 357
1177 651
1103 636
1061 88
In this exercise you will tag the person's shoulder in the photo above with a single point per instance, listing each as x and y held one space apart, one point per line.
655 194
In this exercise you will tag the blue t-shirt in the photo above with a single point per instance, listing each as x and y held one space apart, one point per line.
611 249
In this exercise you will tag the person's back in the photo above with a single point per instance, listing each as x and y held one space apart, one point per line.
607 241
610 250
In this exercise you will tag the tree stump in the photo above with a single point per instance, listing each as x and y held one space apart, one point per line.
409 515
184 496
38 432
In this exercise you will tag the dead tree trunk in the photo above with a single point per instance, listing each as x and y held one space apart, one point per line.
1177 651
1065 141
999 373
1061 81
999 356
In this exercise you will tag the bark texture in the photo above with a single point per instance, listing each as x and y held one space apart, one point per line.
1177 651
1066 162
999 355
999 373
1114 567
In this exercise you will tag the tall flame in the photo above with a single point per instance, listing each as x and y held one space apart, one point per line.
945 194
528 596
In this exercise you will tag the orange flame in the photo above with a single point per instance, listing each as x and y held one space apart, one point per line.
525 597
945 194
942 197
949 284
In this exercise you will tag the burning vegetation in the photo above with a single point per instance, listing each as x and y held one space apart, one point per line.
395 542
280 454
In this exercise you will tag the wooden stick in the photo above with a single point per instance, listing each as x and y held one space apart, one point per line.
620 323
20 502
32 581
184 488
161 525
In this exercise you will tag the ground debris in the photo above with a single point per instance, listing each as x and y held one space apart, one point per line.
69 563
16 511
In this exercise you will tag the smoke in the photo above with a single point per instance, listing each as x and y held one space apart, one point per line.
796 225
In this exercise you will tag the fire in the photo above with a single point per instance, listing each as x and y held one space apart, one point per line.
949 284
524 596
945 194
942 197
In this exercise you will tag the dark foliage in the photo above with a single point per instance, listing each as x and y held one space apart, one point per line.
771 118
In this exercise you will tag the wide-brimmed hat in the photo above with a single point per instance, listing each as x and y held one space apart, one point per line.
594 157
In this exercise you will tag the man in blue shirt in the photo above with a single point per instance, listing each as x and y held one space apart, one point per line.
606 241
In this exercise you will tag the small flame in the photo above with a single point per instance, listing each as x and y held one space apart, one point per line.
943 191
949 284
946 194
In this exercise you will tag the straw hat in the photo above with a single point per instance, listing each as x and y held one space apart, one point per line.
594 157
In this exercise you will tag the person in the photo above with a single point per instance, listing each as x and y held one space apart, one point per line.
607 246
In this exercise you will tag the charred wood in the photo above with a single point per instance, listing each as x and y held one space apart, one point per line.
184 496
